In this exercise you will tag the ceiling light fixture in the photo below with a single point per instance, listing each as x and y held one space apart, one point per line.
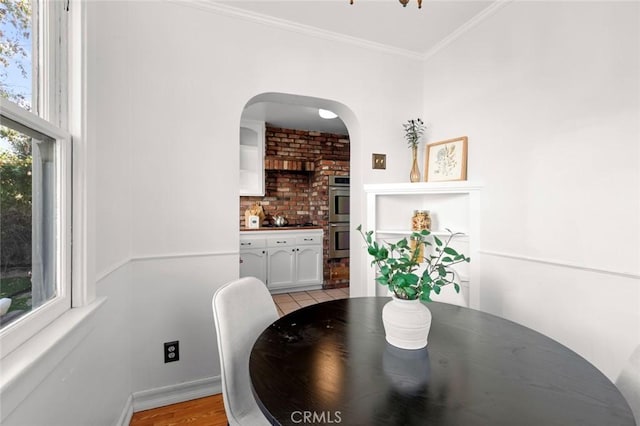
402 2
325 113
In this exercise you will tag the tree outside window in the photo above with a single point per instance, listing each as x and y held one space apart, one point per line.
16 161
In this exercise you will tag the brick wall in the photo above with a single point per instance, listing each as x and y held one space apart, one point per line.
304 145
286 193
297 166
292 186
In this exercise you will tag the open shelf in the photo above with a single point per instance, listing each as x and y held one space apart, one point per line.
451 205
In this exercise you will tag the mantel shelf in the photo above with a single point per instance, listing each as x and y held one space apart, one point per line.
462 236
422 187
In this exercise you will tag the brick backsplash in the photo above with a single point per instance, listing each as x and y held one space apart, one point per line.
297 163
297 166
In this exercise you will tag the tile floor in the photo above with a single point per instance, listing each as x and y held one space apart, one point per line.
289 302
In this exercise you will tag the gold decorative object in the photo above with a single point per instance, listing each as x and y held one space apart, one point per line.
414 176
420 221
413 131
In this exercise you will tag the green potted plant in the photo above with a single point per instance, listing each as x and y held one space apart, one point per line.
413 131
412 271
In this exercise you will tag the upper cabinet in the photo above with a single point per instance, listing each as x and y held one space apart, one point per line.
252 157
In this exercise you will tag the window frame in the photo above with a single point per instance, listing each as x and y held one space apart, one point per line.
17 332
50 98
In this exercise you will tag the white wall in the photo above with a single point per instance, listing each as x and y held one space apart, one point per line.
541 95
167 85
92 383
548 93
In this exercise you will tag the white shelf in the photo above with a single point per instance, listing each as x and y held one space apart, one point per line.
461 235
252 157
453 205
422 188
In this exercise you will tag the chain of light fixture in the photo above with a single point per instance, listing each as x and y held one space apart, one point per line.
402 2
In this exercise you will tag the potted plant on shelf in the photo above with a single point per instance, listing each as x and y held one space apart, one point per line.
412 272
413 131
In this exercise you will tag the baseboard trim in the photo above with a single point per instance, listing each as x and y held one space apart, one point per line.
127 413
167 395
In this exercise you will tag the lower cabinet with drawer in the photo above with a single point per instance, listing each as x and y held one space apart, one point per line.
285 261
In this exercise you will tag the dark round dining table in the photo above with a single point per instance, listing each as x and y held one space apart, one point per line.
330 364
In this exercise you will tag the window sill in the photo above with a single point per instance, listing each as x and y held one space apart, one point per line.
27 366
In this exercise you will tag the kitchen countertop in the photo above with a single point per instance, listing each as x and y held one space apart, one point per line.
282 228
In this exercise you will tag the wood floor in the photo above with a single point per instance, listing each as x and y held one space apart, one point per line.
207 411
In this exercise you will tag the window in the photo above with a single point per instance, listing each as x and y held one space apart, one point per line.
35 164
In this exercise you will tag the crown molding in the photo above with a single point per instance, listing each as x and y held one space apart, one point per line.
283 24
471 23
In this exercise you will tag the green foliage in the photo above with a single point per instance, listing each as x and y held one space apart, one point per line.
397 263
413 131
19 289
15 210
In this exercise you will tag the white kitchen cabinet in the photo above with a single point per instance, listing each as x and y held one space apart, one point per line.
281 268
253 263
309 265
253 258
452 205
293 258
252 147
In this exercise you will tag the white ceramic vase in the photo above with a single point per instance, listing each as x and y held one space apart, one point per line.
406 323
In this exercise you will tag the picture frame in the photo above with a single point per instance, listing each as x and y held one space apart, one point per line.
446 160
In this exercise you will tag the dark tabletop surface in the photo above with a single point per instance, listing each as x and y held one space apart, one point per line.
330 364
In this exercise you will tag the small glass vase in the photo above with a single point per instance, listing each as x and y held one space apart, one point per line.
414 176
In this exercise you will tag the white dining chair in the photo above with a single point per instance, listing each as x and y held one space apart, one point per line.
629 383
242 309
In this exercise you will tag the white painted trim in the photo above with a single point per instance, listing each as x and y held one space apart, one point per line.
464 28
83 279
15 334
560 263
30 120
25 368
405 188
111 269
127 413
115 266
172 394
182 255
227 10
234 12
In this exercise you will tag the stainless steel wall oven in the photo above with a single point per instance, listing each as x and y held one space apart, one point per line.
338 216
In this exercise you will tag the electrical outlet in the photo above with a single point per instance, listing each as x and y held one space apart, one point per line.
171 351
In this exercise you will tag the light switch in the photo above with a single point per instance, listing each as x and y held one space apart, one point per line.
379 161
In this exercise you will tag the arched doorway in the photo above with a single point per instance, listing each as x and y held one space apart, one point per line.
303 155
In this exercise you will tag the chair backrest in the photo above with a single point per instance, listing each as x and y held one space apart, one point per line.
629 383
242 309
